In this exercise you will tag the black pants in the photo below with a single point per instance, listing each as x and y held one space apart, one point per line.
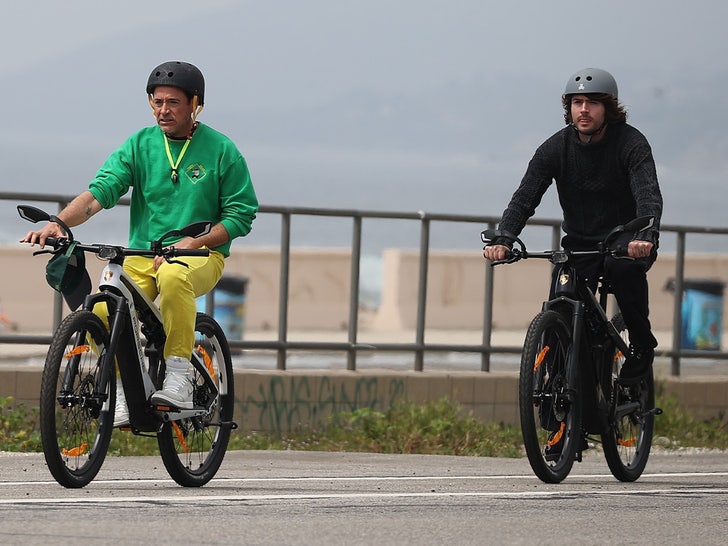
628 279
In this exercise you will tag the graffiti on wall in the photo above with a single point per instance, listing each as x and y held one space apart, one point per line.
283 403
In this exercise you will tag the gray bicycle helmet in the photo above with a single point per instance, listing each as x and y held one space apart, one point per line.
178 74
591 80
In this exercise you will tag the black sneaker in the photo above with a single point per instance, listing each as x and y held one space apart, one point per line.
637 364
553 450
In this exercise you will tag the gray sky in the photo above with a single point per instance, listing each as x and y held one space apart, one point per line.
379 104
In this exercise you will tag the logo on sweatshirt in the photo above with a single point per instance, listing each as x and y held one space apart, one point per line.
195 173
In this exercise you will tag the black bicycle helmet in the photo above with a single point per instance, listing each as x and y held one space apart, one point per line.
591 80
178 74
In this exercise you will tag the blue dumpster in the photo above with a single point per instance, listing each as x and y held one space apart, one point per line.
702 314
229 305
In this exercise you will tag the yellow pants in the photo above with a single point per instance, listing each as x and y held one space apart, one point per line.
177 287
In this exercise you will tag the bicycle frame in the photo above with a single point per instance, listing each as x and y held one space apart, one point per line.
581 394
574 292
126 302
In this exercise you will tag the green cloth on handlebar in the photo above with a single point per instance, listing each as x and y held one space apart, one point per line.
66 273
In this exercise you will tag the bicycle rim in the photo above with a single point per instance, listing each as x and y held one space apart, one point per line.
76 424
193 449
548 408
627 439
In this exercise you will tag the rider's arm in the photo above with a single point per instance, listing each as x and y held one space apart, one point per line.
77 212
80 209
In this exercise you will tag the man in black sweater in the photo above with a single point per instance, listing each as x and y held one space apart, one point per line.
605 176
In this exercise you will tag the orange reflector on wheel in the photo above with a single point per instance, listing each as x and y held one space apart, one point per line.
78 350
180 437
557 437
629 442
540 358
207 359
74 451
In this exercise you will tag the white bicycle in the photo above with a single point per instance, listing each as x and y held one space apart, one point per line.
78 386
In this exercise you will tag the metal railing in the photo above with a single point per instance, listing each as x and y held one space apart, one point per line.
419 347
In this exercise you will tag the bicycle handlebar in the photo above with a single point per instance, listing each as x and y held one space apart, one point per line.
493 236
109 252
557 256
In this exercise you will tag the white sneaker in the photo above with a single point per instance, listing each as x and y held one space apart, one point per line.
121 410
177 388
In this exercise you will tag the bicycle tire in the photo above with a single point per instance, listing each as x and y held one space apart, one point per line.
75 425
193 449
627 437
547 404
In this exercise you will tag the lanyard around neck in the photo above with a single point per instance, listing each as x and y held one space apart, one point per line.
172 163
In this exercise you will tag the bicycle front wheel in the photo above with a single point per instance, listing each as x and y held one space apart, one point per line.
76 412
550 416
627 437
193 449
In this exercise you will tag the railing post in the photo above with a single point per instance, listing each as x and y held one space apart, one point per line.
283 288
422 291
677 304
354 293
487 314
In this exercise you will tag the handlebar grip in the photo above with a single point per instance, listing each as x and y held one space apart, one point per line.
55 242
179 252
620 251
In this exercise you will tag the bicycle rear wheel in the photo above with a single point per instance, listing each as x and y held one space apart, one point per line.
193 449
550 416
627 438
75 422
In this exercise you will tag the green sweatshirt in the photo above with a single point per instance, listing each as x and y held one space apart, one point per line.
213 185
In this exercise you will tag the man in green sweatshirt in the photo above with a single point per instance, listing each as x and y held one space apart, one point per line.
180 171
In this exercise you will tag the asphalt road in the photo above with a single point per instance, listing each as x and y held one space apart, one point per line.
273 497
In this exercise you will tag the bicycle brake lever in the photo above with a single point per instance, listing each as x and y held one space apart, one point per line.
171 261
167 253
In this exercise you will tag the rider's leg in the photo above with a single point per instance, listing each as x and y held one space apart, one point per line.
178 286
628 279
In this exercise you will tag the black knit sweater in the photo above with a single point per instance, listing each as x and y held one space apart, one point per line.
600 185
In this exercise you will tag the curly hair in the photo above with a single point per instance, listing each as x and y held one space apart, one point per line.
614 111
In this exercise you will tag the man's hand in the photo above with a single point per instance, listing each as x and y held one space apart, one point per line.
639 249
496 253
51 229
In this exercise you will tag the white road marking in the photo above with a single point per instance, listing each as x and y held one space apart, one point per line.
242 497
166 499
220 480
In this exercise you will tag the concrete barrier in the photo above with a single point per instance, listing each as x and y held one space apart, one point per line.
282 401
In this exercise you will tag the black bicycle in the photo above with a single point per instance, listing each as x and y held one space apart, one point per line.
568 388
79 381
